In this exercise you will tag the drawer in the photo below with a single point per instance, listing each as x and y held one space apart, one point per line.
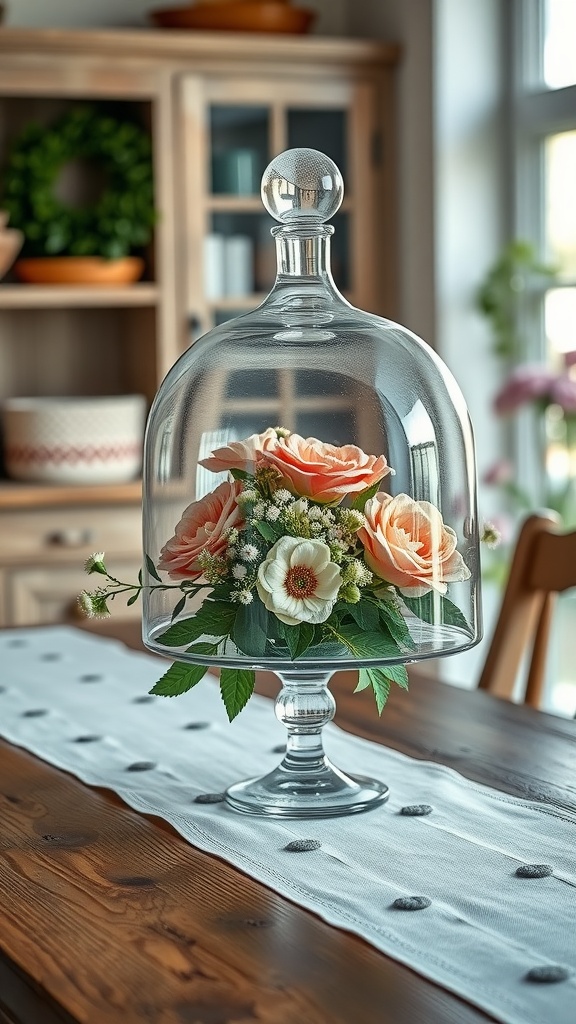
48 594
69 534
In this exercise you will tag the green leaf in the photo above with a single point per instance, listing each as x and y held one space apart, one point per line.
360 500
152 568
299 638
250 631
140 577
133 599
236 687
213 618
375 645
398 675
379 682
203 648
393 620
269 532
178 679
181 633
178 607
427 608
240 474
365 614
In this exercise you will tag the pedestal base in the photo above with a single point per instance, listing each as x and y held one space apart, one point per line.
327 793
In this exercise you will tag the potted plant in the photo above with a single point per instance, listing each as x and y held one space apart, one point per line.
91 242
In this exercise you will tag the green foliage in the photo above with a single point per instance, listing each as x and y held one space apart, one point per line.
299 638
360 500
178 679
499 295
380 679
213 618
368 644
120 219
250 630
236 688
151 569
427 608
269 532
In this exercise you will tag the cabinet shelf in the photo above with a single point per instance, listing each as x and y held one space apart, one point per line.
31 296
15 495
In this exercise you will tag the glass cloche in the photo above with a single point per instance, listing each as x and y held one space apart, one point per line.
309 503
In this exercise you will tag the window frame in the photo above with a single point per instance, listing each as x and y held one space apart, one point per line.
534 112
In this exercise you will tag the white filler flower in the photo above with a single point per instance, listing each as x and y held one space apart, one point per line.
298 582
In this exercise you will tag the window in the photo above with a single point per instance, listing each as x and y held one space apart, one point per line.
559 36
543 178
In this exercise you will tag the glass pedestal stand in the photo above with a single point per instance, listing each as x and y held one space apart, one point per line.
306 784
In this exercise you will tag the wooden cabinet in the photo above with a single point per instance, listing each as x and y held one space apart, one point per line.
217 107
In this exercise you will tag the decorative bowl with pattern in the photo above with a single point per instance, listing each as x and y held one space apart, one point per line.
84 440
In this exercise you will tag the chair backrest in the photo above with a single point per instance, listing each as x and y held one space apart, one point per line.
543 565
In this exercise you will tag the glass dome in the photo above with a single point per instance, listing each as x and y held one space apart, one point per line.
309 506
309 475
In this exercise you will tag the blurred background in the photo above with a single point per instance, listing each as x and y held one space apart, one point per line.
455 127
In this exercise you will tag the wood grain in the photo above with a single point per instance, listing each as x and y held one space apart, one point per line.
109 916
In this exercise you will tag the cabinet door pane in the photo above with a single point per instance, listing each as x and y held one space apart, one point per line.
320 129
247 260
239 146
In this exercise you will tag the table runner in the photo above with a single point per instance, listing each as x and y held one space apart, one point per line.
80 703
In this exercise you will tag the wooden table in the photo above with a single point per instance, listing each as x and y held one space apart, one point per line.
109 916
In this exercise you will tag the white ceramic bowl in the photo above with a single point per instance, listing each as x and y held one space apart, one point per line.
74 440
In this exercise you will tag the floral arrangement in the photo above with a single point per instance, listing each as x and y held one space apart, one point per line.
298 553
552 397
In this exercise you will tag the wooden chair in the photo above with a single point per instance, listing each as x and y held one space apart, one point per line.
543 565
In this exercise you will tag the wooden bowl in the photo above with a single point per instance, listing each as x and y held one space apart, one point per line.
82 270
237 16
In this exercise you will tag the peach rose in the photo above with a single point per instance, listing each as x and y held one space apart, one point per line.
240 454
202 528
323 472
406 543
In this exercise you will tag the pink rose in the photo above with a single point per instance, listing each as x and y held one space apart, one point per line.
203 527
240 454
524 384
323 472
407 544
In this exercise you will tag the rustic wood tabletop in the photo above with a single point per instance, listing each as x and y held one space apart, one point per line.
110 916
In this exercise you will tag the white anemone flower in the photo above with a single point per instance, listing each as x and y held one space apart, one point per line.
298 582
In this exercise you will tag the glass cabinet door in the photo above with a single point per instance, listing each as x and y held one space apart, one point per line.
232 129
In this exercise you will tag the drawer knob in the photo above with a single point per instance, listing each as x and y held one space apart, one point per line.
70 538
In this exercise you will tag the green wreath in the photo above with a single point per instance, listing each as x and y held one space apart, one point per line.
123 215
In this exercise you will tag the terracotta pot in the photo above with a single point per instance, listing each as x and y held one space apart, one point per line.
83 270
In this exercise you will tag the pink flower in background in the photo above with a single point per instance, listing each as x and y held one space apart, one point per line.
570 359
501 472
524 384
203 527
241 454
563 392
324 472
